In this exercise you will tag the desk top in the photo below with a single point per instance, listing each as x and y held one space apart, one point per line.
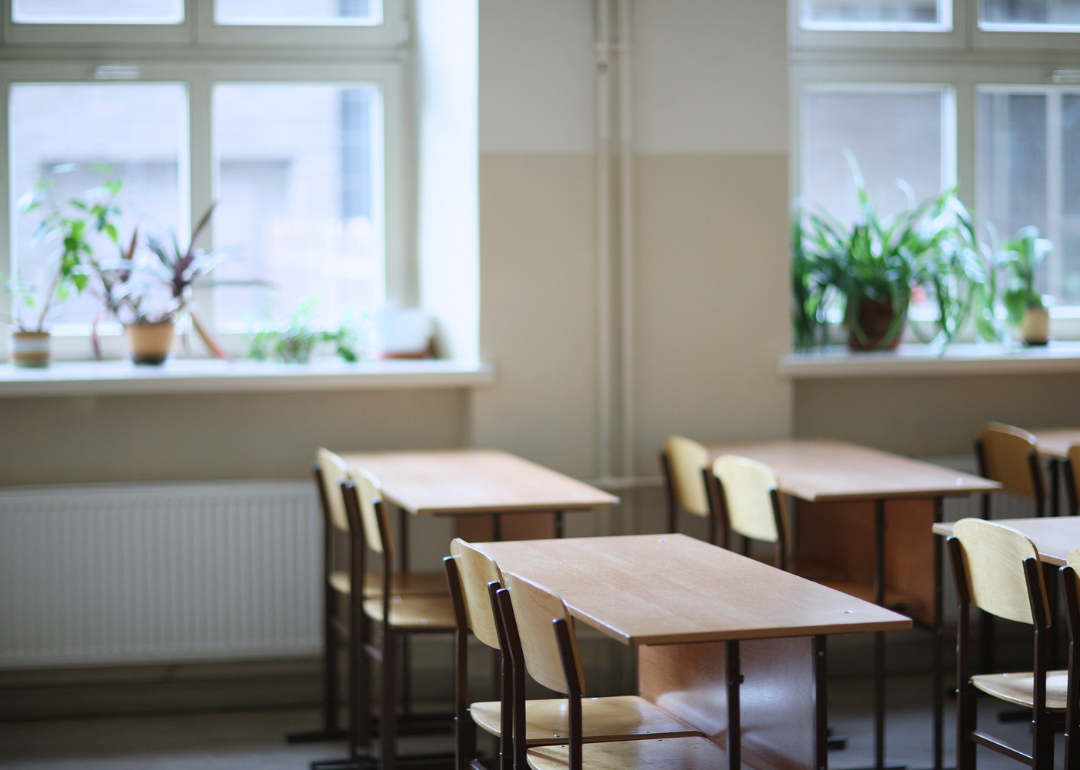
1053 536
821 470
670 589
1055 442
461 481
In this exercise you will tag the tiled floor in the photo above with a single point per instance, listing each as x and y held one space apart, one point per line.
253 739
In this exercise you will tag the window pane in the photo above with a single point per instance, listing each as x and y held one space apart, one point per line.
301 200
111 12
298 12
874 14
1029 174
1040 13
137 130
894 135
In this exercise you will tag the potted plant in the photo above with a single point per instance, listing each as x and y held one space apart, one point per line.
296 340
149 295
67 271
871 268
1024 304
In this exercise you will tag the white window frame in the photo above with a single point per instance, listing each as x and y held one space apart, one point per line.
41 56
984 59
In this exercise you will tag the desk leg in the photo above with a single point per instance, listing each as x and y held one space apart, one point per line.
558 523
939 642
734 725
821 715
879 636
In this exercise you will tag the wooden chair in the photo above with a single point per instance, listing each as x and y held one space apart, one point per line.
541 640
685 464
997 569
1007 455
394 616
753 508
330 473
1071 471
1070 575
473 579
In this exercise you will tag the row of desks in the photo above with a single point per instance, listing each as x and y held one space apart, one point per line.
683 603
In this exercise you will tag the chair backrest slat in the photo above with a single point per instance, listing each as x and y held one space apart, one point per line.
994 560
748 487
1072 478
686 459
535 610
333 471
1005 451
373 513
476 571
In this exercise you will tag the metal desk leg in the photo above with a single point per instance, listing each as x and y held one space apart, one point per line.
1053 468
734 727
879 636
558 523
939 641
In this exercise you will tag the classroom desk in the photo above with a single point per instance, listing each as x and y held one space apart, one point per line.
725 643
846 496
1053 444
482 488
1054 538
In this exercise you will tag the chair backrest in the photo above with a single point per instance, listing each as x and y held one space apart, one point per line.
535 610
331 472
373 516
1072 478
1006 452
994 562
476 571
750 489
685 461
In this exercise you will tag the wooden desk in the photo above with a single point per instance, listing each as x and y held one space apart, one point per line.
1053 444
846 496
1054 538
725 643
482 486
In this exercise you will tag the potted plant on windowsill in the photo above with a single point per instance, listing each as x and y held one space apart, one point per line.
151 294
67 270
871 268
1024 304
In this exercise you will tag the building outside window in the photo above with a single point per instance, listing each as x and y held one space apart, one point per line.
983 95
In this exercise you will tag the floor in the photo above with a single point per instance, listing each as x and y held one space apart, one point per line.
253 739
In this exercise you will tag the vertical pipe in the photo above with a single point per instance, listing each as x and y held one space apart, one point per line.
626 242
603 242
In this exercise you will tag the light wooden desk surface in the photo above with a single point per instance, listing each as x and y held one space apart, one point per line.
1053 536
671 589
467 481
1054 443
822 470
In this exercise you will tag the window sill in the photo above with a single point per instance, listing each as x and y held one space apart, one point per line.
920 361
112 378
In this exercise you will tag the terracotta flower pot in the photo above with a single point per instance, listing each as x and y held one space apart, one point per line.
875 319
150 343
31 349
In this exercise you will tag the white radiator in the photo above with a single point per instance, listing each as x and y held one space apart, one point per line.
158 573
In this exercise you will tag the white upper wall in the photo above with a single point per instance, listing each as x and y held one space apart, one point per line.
708 75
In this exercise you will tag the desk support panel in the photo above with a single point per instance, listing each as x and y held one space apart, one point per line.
781 690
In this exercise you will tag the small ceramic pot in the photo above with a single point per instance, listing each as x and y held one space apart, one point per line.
1035 326
150 343
31 349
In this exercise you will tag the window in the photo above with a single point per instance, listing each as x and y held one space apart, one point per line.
297 142
920 91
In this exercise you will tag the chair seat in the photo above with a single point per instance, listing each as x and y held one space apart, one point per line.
603 719
401 583
653 754
415 612
1019 688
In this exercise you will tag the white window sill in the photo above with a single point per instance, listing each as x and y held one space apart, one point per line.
110 378
920 361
